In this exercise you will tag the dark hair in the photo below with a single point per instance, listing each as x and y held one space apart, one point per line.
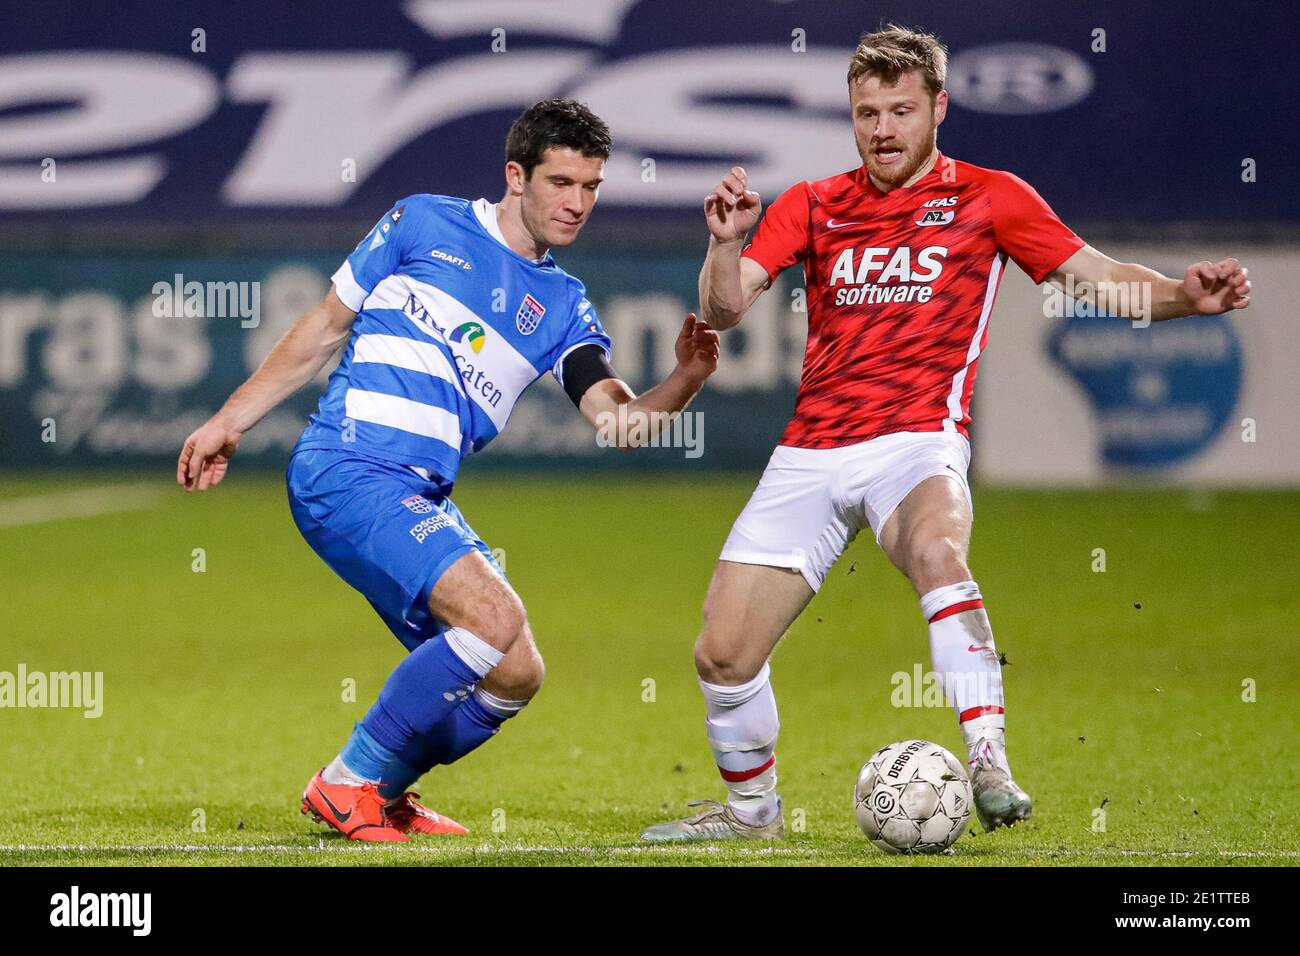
556 123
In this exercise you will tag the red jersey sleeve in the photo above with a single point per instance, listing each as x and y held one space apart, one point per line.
1027 230
782 237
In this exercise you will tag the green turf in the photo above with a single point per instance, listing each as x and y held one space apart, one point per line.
223 688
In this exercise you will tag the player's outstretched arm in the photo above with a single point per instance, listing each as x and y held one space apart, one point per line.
294 361
729 284
627 420
1133 291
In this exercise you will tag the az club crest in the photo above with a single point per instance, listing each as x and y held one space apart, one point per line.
529 315
936 217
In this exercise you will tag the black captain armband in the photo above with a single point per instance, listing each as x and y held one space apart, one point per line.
584 367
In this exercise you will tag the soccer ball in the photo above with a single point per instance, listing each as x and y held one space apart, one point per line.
912 797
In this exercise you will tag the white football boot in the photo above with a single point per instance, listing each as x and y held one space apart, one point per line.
999 801
715 821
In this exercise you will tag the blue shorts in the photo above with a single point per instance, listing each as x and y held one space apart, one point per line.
384 530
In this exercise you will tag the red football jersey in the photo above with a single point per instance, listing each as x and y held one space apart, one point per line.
900 288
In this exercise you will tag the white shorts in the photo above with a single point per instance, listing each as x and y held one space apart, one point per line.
811 502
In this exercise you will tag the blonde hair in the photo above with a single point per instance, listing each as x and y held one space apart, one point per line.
889 53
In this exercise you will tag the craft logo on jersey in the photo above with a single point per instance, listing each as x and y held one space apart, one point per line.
450 259
471 332
418 504
529 315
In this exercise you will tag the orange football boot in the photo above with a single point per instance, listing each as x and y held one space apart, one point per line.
356 812
407 816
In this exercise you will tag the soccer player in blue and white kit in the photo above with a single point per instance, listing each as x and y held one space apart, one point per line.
447 311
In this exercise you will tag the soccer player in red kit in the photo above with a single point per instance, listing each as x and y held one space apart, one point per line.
902 258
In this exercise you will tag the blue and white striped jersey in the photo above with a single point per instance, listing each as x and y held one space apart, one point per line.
452 326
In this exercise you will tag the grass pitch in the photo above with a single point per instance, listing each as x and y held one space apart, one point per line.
225 689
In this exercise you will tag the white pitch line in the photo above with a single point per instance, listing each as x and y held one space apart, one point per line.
485 849
82 503
491 849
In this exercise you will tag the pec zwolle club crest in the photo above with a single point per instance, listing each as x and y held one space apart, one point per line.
419 504
529 315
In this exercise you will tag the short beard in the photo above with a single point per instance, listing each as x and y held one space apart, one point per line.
897 175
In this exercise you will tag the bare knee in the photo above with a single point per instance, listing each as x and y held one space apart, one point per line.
935 561
745 612
719 661
519 675
472 595
497 617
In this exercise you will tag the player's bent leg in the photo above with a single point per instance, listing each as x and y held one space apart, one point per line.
485 618
494 700
747 610
470 595
519 675
475 600
927 539
928 534
497 698
464 618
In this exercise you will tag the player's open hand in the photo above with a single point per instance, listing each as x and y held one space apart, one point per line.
698 348
1215 287
206 456
732 209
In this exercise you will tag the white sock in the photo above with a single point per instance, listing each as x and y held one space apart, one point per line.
963 654
478 654
742 728
498 705
338 773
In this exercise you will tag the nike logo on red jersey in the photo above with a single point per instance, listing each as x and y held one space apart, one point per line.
832 224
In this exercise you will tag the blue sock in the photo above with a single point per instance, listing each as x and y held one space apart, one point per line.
364 755
424 688
465 728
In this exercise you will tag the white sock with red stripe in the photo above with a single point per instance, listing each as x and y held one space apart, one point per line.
963 654
742 727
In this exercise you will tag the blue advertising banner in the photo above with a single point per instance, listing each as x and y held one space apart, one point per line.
178 181
192 113
113 360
